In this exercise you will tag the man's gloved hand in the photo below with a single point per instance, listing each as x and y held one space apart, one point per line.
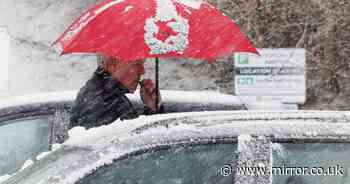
148 94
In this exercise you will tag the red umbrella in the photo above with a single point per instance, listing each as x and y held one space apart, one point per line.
139 29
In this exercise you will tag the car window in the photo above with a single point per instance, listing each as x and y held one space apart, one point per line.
21 140
312 163
178 165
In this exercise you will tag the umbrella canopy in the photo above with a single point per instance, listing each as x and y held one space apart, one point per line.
135 29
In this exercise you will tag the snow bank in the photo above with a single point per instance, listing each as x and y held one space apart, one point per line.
4 178
26 164
42 155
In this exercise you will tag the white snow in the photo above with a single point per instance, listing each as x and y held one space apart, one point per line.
42 155
117 130
33 65
26 164
4 178
165 10
279 149
203 97
265 105
54 147
195 97
106 143
156 135
244 122
38 98
77 133
242 139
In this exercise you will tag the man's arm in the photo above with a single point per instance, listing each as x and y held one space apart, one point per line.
101 101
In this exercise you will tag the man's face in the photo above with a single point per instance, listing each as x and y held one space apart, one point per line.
127 72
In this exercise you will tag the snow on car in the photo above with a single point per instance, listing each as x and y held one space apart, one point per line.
193 147
30 125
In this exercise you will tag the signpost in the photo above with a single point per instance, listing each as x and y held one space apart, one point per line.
4 58
276 75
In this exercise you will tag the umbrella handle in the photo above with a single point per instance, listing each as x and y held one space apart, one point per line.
157 83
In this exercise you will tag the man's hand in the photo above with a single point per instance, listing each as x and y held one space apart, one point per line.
148 94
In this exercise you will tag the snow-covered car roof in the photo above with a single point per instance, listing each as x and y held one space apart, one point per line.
55 106
167 96
87 150
173 101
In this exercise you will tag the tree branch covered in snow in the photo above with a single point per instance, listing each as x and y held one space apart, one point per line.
320 26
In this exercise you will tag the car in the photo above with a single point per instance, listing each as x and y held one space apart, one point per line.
220 147
31 124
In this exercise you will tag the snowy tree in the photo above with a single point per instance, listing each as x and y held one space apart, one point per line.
322 27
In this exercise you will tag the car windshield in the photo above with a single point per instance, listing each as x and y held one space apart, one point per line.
177 165
21 140
312 163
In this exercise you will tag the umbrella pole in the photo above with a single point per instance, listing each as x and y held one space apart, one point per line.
157 83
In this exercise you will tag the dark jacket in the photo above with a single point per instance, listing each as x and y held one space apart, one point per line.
101 101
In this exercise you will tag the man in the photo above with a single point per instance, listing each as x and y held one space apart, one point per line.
102 100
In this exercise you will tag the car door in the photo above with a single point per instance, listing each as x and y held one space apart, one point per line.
201 162
268 143
25 132
210 147
21 140
315 162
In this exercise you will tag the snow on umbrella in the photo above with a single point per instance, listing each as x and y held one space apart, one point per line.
138 29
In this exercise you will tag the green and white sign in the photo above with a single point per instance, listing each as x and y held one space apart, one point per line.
278 74
4 58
